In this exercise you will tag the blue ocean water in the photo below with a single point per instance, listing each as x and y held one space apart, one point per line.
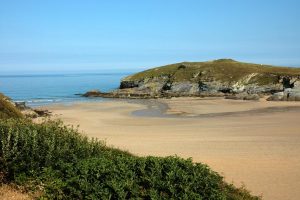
37 90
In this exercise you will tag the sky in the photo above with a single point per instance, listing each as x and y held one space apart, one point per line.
118 35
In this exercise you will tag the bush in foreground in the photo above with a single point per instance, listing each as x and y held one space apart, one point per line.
67 165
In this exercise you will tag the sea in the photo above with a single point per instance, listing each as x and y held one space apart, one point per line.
44 89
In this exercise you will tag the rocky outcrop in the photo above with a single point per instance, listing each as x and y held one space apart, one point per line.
287 95
121 93
242 89
292 93
31 112
224 77
128 84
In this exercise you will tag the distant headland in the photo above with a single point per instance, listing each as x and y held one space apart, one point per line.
222 77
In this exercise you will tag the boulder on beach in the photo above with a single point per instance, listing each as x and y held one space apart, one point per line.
287 95
244 96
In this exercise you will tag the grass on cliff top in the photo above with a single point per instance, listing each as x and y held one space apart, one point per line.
225 70
7 109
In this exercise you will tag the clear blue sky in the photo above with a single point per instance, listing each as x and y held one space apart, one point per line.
53 35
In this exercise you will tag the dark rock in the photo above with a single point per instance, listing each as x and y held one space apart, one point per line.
203 86
92 93
128 84
226 90
167 86
286 82
42 112
181 66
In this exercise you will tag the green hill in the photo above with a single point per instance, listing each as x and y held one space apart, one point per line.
223 77
225 70
211 78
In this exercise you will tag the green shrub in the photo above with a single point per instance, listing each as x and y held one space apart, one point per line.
129 177
27 147
68 165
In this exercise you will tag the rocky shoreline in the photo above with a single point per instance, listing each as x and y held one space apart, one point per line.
133 94
276 92
31 112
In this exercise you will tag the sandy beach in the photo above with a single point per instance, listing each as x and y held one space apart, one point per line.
256 143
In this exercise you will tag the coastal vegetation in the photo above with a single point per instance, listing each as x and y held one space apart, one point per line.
8 109
58 162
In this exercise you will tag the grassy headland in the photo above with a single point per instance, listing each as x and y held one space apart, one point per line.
224 70
223 77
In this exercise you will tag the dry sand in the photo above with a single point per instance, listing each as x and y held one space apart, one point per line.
255 143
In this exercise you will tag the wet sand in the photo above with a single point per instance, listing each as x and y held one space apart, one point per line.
255 143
